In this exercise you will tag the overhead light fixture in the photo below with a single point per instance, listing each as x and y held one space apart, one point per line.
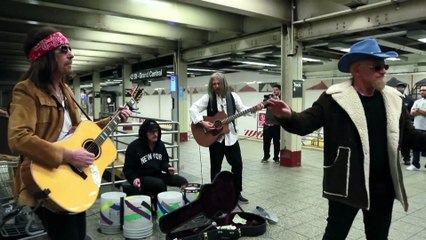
201 70
393 59
338 46
35 2
419 35
220 59
307 59
256 63
259 64
89 85
399 58
33 22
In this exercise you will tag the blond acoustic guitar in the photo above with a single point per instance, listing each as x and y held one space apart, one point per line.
71 189
220 120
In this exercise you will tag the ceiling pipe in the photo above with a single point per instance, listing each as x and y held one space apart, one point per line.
340 13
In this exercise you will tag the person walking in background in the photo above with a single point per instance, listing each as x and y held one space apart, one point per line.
85 101
271 129
408 104
146 165
418 111
219 98
42 112
364 122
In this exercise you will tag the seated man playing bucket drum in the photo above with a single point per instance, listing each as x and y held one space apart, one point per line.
146 165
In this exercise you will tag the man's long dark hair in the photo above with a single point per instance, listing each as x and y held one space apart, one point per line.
42 69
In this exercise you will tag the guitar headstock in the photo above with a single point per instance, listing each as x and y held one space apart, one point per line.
136 95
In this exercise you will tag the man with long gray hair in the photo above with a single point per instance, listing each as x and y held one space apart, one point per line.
218 99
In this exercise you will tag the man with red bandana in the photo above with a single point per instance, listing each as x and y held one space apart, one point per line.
41 112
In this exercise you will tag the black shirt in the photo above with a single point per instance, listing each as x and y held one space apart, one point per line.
375 113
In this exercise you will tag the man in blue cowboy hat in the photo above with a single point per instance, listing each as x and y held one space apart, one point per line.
364 124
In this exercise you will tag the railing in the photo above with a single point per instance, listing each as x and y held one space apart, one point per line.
314 139
127 132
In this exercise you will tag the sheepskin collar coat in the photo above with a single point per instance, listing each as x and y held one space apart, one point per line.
340 112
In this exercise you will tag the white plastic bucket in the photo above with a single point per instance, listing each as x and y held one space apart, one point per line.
168 201
190 192
110 214
137 218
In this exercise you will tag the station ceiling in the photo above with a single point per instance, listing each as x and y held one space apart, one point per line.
238 35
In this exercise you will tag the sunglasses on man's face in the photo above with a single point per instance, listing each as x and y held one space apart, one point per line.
379 66
64 49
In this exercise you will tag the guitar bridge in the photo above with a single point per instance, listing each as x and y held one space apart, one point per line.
79 172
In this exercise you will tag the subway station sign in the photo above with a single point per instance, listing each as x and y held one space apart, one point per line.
148 74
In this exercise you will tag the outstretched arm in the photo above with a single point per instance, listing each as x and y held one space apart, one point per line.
304 122
279 108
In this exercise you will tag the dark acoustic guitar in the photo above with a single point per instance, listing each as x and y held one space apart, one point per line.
220 120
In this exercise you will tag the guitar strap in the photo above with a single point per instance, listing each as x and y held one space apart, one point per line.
230 108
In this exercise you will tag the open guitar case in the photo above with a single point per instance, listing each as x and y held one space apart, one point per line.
211 215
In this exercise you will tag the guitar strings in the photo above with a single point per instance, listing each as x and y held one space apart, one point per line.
94 145
136 94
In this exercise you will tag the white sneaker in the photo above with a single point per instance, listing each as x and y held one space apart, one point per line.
412 168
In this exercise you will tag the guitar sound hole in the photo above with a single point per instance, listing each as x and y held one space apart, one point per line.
92 147
218 125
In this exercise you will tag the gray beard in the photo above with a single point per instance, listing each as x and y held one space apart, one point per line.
379 85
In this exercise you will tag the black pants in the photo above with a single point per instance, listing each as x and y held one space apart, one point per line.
271 133
416 156
416 159
377 220
233 156
153 185
405 152
62 226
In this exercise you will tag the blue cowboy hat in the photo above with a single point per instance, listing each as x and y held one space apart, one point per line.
361 50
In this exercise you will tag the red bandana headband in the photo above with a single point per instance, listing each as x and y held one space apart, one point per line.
48 43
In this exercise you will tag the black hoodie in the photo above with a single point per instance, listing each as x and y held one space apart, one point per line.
140 160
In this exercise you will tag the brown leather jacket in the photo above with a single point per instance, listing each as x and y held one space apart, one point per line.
35 121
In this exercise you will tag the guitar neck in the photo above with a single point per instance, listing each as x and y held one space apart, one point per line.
108 129
112 125
237 115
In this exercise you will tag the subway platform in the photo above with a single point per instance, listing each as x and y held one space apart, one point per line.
293 194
